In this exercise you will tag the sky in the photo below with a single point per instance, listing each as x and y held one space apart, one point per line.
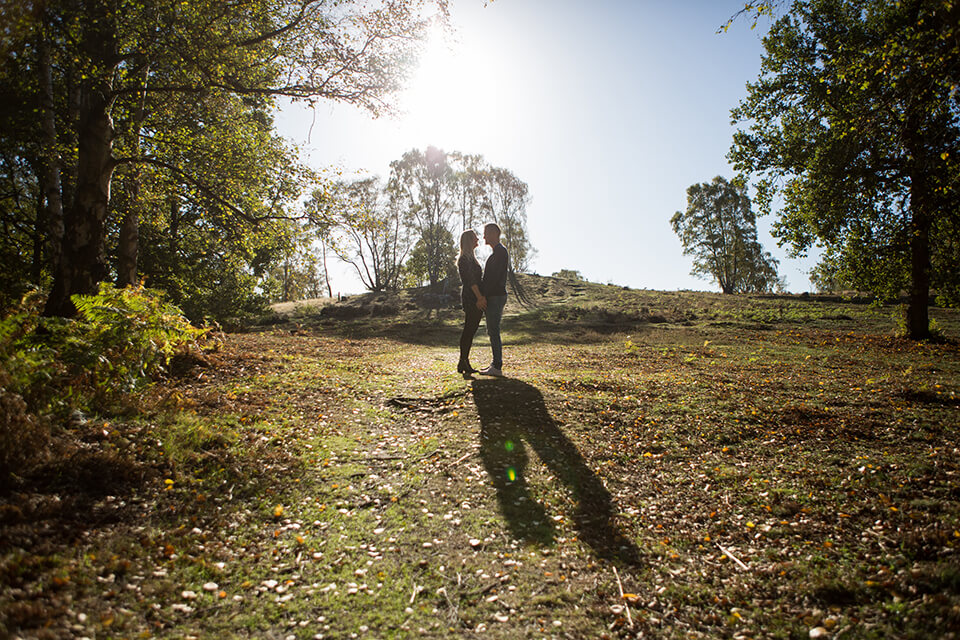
607 109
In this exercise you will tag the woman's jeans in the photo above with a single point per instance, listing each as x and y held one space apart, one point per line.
495 305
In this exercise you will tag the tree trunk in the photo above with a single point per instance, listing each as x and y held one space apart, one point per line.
83 263
52 225
918 313
68 171
83 260
36 269
128 245
326 274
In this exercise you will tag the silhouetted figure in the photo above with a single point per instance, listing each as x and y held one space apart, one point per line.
494 287
513 413
473 301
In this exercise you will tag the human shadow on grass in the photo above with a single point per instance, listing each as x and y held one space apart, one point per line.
513 415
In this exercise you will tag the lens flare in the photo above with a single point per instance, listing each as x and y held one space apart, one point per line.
508 445
511 474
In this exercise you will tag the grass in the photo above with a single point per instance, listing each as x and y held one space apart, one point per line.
739 467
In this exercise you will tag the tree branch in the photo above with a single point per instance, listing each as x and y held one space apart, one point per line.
203 187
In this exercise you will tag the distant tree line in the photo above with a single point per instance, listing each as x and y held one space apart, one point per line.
404 231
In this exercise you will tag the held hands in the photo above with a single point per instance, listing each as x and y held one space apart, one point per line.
481 303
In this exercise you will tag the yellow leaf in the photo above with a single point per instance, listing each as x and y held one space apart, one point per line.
278 511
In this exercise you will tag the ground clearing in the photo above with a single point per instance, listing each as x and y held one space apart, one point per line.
657 465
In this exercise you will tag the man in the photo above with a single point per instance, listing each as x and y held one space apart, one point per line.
494 288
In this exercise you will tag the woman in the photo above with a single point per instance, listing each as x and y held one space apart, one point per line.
473 301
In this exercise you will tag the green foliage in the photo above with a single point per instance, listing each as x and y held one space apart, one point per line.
50 367
417 270
855 122
129 335
434 189
29 366
26 371
175 108
719 230
121 339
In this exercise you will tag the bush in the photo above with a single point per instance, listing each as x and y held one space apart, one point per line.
29 366
126 336
50 367
569 274
23 436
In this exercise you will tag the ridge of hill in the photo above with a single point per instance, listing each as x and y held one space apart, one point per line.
562 302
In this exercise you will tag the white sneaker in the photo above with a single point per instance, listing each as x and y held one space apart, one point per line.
492 371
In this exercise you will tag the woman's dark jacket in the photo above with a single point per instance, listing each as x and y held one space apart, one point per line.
470 274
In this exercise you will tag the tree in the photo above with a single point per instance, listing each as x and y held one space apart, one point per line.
114 56
720 230
467 188
855 122
200 206
435 195
420 185
297 274
365 228
569 274
505 199
418 267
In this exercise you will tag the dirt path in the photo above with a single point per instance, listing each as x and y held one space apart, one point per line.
430 504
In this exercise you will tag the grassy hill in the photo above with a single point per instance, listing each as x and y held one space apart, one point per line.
560 304
657 464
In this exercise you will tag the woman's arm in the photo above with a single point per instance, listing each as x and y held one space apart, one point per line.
481 301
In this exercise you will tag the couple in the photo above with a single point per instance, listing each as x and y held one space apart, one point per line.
484 291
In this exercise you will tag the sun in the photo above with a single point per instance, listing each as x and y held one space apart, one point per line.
452 97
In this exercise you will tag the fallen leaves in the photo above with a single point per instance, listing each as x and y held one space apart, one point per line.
395 511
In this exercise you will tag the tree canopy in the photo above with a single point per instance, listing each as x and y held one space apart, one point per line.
174 100
404 230
719 229
855 123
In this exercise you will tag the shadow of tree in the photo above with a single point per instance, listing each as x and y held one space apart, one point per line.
512 413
